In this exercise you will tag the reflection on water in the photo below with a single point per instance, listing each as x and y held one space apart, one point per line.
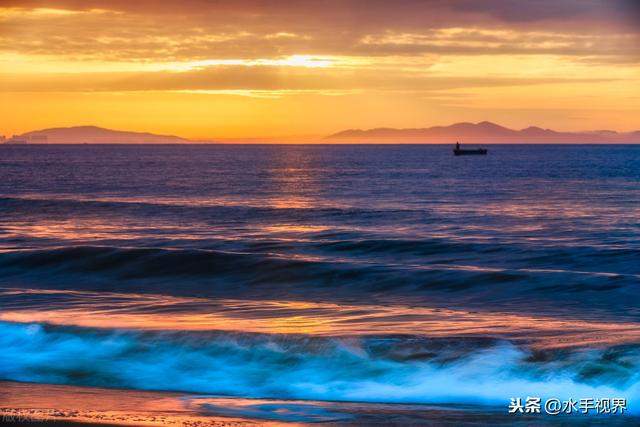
128 407
380 273
158 312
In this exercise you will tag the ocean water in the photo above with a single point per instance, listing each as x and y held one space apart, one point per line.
387 274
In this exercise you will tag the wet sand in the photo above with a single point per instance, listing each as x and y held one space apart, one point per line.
56 405
26 403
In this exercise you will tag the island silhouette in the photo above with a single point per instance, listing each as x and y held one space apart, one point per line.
472 133
92 135
483 132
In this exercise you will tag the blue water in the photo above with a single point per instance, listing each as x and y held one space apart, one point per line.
394 266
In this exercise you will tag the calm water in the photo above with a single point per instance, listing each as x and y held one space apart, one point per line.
395 274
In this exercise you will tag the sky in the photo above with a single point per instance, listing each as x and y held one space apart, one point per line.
225 69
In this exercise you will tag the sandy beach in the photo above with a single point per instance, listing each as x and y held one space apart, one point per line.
56 405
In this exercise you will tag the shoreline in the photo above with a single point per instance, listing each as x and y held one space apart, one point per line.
34 404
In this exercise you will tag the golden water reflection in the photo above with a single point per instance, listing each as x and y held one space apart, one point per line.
60 404
159 312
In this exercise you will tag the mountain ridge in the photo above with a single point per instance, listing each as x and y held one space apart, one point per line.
485 132
89 134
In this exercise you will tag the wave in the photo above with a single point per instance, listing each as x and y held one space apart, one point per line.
212 272
156 261
392 369
43 205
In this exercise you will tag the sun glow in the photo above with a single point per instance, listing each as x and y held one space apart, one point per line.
305 61
113 65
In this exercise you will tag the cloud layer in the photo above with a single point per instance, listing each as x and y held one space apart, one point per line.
419 50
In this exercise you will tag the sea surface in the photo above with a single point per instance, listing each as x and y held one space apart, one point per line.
382 274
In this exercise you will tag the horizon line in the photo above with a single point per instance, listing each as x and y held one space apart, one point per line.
310 139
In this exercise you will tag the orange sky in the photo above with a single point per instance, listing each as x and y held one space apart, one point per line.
268 68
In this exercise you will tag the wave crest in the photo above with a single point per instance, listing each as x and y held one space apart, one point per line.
392 370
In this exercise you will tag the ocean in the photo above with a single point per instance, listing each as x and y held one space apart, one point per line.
368 274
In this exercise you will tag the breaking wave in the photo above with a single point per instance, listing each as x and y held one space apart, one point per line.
374 369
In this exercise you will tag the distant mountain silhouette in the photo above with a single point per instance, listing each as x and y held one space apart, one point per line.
483 132
92 135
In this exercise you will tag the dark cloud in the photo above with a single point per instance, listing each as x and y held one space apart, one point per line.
367 13
163 30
